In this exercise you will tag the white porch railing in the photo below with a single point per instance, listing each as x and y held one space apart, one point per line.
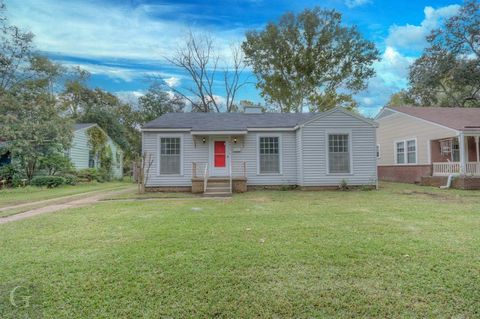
238 169
448 168
198 169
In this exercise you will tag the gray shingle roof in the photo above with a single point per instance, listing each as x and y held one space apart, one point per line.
228 121
79 126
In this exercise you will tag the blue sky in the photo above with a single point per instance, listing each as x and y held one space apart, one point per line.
123 43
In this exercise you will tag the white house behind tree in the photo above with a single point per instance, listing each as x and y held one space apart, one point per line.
215 153
81 154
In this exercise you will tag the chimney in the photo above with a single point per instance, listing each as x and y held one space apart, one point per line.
252 109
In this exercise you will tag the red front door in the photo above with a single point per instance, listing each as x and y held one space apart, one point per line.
219 154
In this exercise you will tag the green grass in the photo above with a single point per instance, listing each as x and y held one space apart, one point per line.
12 196
403 251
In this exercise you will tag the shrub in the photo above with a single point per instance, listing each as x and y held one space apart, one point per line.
48 181
343 185
56 163
13 174
70 179
89 175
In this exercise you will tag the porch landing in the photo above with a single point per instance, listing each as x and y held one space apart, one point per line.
458 182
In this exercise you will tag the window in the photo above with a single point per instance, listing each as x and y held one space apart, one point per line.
269 155
378 150
400 152
91 159
170 160
455 151
406 152
338 153
411 152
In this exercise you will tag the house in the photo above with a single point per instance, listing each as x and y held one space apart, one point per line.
217 153
427 144
82 156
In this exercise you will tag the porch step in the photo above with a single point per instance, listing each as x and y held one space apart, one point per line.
218 187
217 194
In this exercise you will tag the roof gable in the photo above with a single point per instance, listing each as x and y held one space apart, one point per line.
459 119
344 111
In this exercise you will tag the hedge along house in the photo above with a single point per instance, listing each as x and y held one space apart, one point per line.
83 155
217 153
427 144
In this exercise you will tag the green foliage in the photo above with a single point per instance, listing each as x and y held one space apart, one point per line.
70 179
98 141
48 181
13 174
310 59
157 101
343 185
89 175
448 72
16 49
55 163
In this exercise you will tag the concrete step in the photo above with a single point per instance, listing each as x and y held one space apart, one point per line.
217 194
218 188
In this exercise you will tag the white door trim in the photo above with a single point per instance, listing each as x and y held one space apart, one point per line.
211 167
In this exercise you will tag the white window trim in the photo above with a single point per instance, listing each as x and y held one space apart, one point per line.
350 150
280 154
159 137
405 153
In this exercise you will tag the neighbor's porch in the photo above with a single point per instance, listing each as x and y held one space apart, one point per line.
458 155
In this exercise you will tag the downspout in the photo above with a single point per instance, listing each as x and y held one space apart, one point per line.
449 181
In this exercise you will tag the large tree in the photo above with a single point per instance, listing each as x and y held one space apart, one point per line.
448 71
198 58
30 119
16 51
310 59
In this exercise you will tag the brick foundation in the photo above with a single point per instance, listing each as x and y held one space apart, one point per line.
459 182
404 173
168 189
239 185
197 185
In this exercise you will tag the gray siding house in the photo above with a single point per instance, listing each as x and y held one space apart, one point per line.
81 156
217 153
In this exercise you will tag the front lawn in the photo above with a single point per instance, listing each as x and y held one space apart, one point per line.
20 195
403 251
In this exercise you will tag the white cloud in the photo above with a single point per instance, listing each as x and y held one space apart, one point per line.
172 81
356 3
391 77
129 96
413 36
99 30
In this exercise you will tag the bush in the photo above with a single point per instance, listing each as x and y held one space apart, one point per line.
13 174
48 181
89 175
70 179
343 185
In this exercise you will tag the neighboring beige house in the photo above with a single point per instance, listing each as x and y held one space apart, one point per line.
416 142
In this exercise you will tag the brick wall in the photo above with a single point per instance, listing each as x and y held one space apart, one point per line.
404 173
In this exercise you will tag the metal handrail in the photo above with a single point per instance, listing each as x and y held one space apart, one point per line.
230 174
205 177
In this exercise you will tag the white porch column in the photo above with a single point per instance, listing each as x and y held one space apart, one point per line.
463 154
477 147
